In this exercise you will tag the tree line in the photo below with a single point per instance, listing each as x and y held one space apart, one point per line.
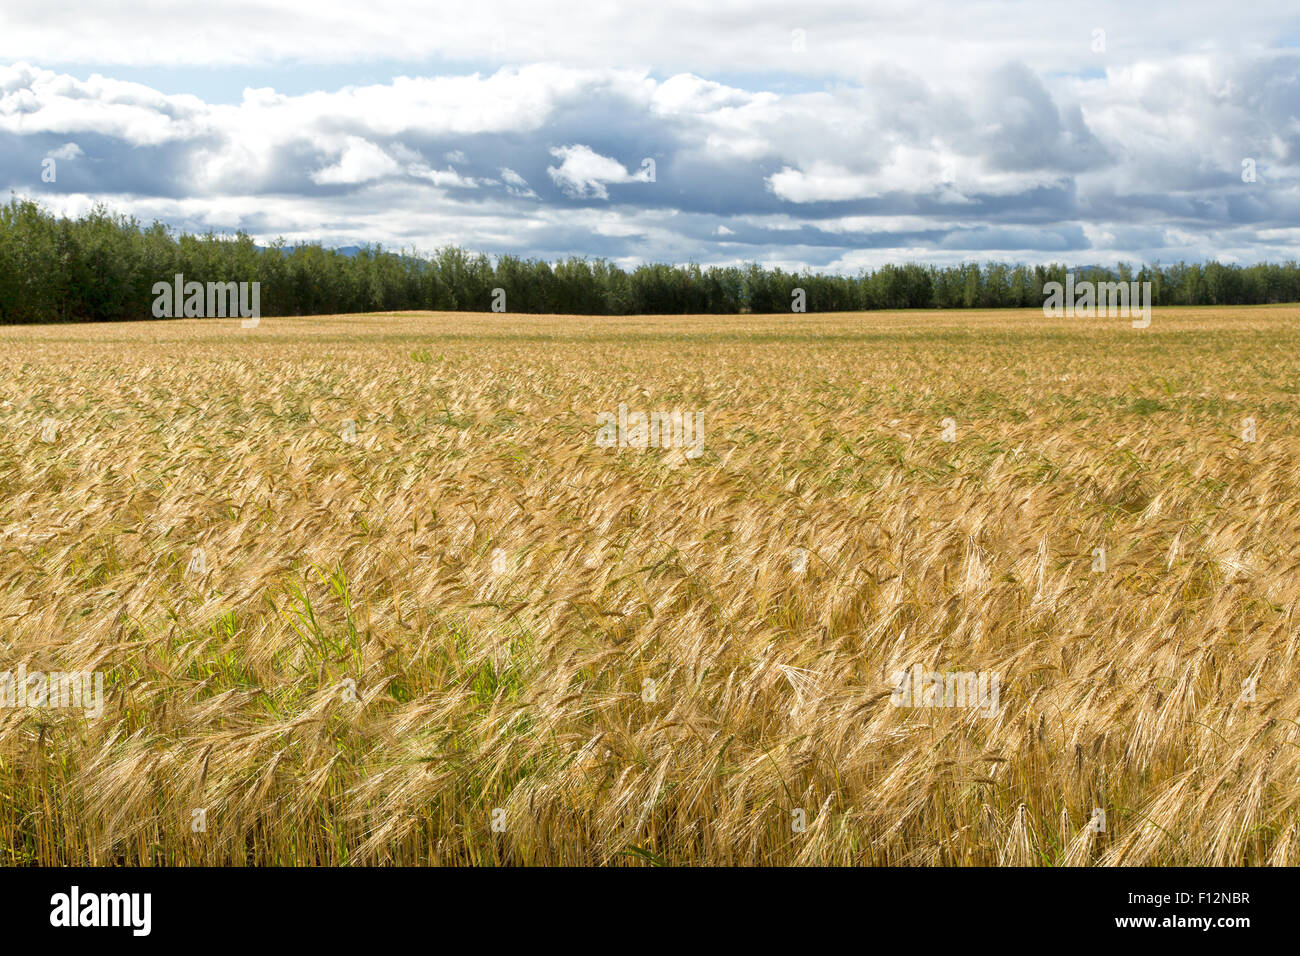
103 267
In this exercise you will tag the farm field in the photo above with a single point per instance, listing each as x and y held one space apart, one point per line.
366 589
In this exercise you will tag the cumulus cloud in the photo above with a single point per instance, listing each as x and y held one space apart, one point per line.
516 185
929 136
583 172
360 162
442 177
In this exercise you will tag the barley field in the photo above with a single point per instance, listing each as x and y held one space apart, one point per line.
367 590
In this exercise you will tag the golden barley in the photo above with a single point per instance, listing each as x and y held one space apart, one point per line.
933 588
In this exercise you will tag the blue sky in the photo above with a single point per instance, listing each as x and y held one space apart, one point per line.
825 135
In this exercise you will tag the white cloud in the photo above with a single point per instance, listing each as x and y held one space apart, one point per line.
516 185
945 38
442 177
958 132
360 162
584 173
822 182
